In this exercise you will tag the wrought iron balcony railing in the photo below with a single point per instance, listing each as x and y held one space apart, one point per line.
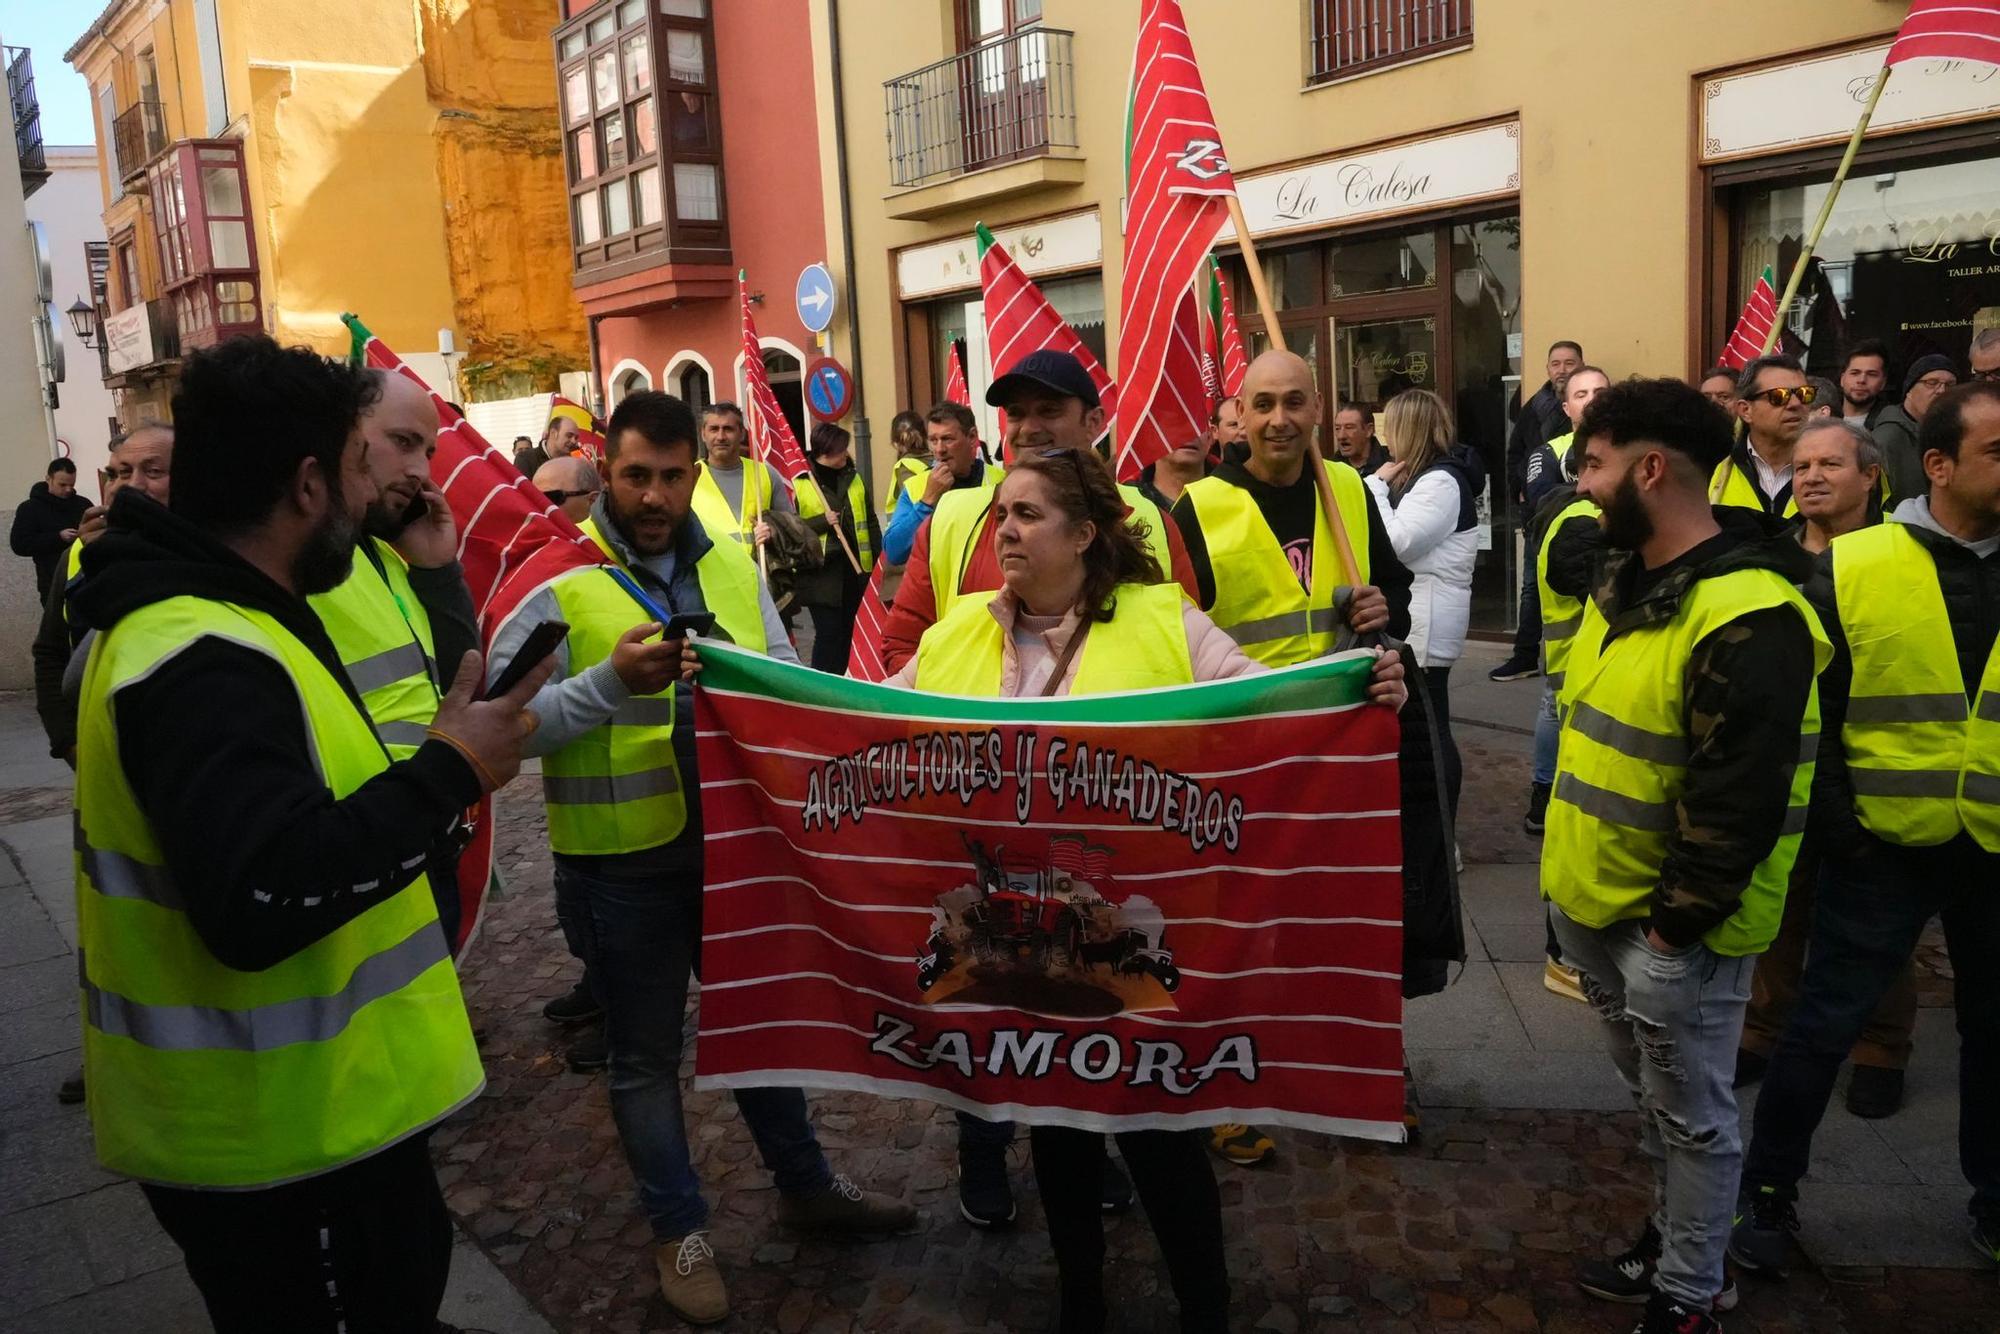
1003 100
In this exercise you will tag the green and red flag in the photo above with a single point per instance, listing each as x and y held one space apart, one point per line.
1155 909
511 541
1223 360
1020 320
771 438
1178 185
1752 333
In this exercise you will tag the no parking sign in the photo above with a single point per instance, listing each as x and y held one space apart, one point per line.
829 389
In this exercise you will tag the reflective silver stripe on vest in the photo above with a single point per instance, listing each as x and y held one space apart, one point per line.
1795 821
401 734
1656 817
597 790
265 1027
1633 742
387 667
1555 680
1319 620
644 711
1945 708
1871 782
118 876
1983 788
1808 747
1563 629
1989 707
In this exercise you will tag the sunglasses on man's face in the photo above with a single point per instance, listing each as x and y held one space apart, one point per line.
558 497
1804 393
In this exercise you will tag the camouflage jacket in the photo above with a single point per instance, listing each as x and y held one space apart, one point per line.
1745 693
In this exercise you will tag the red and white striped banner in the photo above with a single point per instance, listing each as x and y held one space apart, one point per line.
771 438
1949 30
1164 908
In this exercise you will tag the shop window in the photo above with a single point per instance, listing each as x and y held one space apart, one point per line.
1907 257
639 185
1382 264
1348 37
207 246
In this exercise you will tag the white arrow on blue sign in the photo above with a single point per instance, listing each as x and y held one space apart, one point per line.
814 298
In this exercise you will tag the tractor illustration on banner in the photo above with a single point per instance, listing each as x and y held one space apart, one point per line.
1041 934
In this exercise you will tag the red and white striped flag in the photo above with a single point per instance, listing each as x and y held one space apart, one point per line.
771 438
1020 320
1949 30
864 653
589 431
955 390
1753 327
1234 362
1178 184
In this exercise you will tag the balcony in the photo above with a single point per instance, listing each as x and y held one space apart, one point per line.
138 135
27 114
1005 111
1351 37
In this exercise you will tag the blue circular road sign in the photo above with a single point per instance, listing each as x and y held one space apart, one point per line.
814 298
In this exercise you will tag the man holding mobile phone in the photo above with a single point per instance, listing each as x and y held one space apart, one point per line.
616 734
404 607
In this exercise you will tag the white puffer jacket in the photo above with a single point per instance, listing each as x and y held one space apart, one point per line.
1421 529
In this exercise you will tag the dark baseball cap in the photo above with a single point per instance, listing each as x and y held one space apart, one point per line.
1046 368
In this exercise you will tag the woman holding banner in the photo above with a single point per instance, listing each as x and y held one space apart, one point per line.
1085 608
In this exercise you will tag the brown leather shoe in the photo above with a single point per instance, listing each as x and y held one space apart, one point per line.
845 1207
690 1280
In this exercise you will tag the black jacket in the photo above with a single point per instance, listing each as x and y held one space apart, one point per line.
216 748
39 523
1534 428
1971 588
1744 695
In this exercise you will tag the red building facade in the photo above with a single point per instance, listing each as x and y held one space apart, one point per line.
691 152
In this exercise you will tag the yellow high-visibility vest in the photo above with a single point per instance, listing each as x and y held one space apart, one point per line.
1143 646
1923 759
384 639
1562 615
617 788
812 505
712 507
1623 763
1258 598
199 1074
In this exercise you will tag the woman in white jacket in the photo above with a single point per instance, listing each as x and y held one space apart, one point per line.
1427 494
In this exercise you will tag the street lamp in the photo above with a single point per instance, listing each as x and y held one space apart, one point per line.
83 319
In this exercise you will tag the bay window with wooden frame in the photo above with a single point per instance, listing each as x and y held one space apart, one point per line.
642 136
207 244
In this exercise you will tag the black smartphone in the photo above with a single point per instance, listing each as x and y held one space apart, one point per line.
541 642
685 623
415 510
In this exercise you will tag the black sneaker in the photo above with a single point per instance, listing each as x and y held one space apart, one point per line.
589 1052
1750 1067
1628 1278
1986 1237
1538 807
1761 1242
1874 1092
575 1006
70 1091
1117 1198
985 1197
1515 668
1664 1315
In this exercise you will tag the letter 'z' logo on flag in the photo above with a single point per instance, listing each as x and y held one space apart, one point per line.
1202 159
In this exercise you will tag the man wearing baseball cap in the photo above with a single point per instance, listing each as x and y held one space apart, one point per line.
1051 403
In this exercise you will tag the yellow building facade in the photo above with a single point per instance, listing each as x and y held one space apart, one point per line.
1438 189
269 164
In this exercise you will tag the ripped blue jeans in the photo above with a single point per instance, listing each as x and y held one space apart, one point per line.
1672 1022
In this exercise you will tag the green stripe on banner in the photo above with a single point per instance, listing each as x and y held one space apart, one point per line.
1332 682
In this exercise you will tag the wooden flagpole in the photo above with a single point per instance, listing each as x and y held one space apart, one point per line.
1350 569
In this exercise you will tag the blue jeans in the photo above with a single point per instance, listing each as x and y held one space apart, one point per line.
1870 911
640 942
1547 730
1672 1022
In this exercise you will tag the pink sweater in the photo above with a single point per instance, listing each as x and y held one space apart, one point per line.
1034 643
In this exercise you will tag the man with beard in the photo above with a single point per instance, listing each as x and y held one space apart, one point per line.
618 774
404 607
272 1023
1773 398
1678 803
1864 374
